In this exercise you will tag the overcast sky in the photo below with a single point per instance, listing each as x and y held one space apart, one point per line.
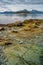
14 5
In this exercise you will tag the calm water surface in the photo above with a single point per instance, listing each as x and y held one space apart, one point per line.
11 18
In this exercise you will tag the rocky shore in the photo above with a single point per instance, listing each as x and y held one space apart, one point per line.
21 43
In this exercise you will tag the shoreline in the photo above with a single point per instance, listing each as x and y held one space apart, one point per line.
17 22
22 41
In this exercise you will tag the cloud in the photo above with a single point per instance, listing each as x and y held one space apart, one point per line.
21 1
20 4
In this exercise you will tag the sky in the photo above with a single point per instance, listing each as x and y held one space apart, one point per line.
15 5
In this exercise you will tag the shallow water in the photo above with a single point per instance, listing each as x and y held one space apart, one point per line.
11 18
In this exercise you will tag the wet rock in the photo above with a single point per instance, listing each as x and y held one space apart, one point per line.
2 28
8 43
20 42
35 26
15 31
20 24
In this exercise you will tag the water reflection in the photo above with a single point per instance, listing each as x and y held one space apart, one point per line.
10 18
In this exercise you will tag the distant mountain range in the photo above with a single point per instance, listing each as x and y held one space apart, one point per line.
36 12
22 11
